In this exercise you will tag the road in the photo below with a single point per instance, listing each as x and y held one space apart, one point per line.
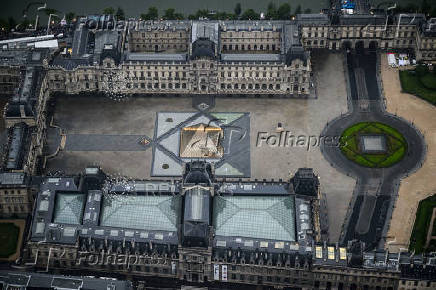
376 189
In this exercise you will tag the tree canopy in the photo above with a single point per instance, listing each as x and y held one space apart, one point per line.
271 11
120 13
298 10
109 11
170 14
152 14
238 9
70 16
250 14
284 11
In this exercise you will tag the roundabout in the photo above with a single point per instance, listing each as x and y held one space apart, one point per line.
376 148
373 144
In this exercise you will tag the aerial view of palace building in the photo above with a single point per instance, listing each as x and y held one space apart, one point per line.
220 154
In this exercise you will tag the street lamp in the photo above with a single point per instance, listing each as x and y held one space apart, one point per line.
37 15
49 19
38 9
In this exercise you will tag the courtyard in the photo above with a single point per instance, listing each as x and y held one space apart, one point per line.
11 234
124 138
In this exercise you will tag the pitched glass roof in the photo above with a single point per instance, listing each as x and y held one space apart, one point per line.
69 208
141 212
261 217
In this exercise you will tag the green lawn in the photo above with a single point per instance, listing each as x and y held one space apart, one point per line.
423 87
429 81
433 232
8 239
432 246
422 223
396 145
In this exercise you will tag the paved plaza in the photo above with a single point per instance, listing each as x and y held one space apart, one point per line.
235 161
146 117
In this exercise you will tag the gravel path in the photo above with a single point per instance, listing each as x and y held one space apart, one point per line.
421 184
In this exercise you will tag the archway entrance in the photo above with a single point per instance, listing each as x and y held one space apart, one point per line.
373 45
346 45
359 46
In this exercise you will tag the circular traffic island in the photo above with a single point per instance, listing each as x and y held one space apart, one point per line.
373 144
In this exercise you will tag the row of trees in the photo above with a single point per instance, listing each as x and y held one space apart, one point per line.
282 12
111 11
424 8
274 12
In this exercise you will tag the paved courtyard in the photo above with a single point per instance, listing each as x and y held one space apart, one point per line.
235 161
136 118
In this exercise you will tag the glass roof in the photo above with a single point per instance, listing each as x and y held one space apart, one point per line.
259 217
69 208
141 212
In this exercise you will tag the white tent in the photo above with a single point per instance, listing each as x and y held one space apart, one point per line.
391 60
53 43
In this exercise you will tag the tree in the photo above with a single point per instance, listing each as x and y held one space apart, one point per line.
284 11
152 14
107 11
223 16
69 16
179 16
421 70
202 13
238 9
307 11
271 12
298 10
169 14
250 14
120 13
